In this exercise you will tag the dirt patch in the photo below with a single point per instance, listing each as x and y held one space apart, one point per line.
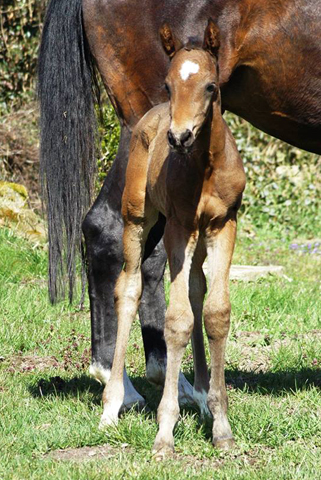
29 363
88 453
19 149
107 451
104 452
246 273
16 214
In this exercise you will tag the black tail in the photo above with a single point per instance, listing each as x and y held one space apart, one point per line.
68 137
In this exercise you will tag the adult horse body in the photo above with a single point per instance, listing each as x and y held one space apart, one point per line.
270 74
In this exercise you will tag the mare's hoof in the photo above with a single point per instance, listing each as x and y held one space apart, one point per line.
155 372
161 452
223 443
138 406
205 414
185 392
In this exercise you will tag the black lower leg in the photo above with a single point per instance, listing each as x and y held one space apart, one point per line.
153 306
103 230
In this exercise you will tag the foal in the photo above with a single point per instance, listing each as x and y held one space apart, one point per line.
183 163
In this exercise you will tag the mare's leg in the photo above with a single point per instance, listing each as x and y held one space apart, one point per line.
127 296
103 230
197 290
180 246
151 312
220 246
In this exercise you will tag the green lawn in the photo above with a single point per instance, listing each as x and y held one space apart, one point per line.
48 402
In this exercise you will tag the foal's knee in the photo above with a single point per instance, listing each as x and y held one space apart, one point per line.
217 318
178 326
128 289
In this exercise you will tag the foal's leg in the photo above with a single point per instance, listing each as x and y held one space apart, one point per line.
217 310
197 290
128 292
180 246
103 230
151 315
155 365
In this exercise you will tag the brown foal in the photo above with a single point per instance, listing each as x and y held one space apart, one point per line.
183 163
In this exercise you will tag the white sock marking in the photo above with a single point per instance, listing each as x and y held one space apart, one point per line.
185 391
201 399
131 395
155 371
188 68
100 373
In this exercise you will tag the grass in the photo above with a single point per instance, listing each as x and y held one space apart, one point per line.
47 401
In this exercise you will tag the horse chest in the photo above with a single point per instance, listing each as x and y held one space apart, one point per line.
201 200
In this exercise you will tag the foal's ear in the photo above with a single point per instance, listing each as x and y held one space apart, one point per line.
212 38
169 42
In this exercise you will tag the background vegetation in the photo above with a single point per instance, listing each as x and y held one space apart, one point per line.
20 23
283 181
48 402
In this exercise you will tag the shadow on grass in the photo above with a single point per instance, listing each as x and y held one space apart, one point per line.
267 383
271 383
89 391
81 386
274 383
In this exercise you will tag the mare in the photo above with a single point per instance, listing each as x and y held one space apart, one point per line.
270 74
197 184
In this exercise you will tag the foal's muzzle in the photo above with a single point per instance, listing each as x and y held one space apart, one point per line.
182 142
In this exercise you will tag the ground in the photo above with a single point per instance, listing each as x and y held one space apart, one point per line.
50 408
19 149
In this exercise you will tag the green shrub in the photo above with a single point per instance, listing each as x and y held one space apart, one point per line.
110 133
19 41
283 183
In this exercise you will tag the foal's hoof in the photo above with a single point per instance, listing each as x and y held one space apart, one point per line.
161 452
108 419
223 443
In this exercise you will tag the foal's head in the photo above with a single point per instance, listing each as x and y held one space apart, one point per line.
192 85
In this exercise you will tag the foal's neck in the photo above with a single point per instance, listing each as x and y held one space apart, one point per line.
210 144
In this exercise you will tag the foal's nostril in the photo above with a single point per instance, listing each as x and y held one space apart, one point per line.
171 138
186 139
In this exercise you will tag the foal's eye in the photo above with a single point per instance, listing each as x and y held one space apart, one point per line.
167 89
211 87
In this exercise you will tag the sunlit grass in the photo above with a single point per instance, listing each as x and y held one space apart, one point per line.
272 372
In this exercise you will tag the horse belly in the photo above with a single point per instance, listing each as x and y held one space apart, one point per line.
277 84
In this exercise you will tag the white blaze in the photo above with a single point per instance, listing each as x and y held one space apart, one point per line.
188 68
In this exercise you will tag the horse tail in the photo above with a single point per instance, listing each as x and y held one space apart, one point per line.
68 140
